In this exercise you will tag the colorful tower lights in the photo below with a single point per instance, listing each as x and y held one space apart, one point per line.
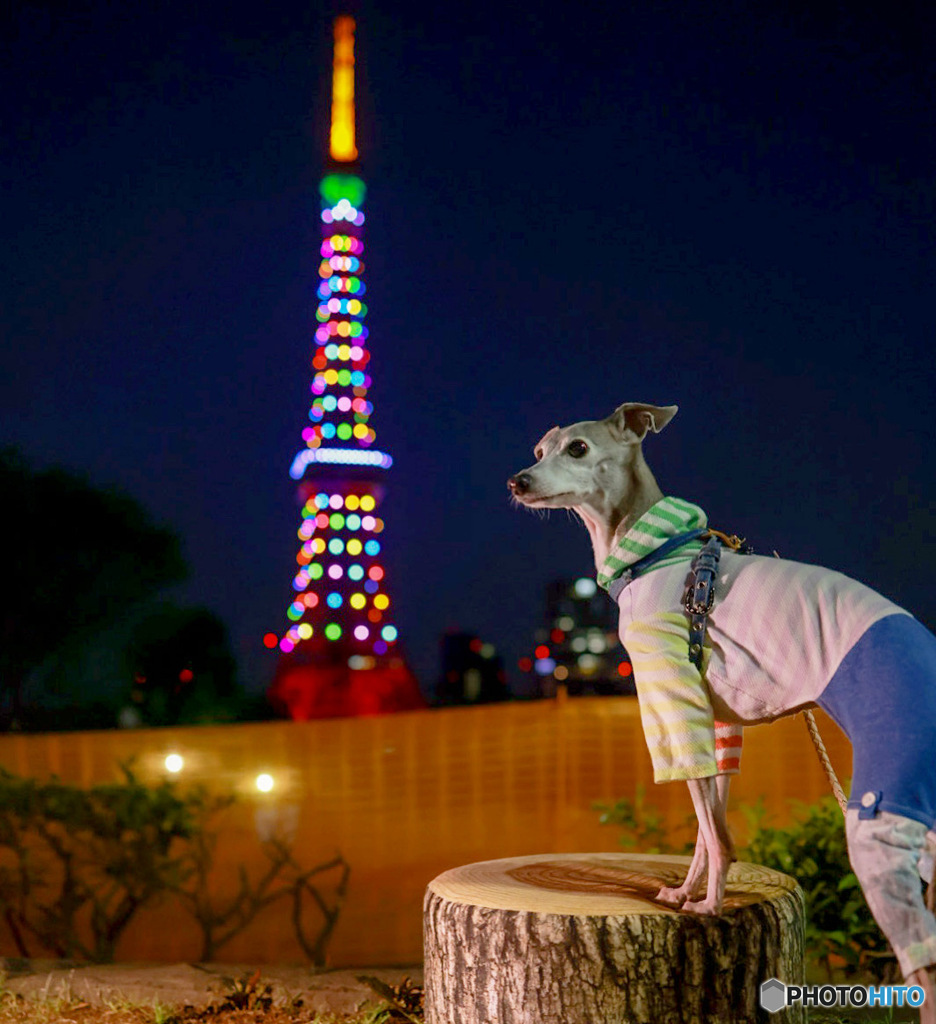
341 613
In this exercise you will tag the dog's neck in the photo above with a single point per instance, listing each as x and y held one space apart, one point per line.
609 516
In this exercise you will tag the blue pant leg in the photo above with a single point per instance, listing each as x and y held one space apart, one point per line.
883 695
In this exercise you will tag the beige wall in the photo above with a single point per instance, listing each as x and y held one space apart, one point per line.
406 796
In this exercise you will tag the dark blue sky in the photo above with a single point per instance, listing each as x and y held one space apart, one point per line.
725 206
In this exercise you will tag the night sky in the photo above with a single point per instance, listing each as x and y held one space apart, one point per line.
725 206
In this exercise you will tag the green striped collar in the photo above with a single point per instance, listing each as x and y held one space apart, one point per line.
667 518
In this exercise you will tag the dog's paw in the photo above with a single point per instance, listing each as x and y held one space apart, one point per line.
672 897
705 908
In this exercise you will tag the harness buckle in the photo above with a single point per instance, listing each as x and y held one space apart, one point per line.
699 596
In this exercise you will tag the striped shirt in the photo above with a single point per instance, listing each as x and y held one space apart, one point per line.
776 635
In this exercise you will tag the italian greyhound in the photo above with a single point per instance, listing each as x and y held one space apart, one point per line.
597 469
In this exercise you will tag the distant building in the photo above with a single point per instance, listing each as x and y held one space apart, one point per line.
578 647
472 671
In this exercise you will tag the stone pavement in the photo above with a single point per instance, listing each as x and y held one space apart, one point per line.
193 984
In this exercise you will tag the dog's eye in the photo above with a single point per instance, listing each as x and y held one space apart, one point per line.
577 449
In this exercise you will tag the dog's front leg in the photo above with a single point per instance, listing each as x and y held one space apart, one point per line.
713 831
692 884
674 896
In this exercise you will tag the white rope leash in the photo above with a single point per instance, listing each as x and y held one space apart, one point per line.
824 760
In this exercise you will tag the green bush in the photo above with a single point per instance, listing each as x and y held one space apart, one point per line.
644 826
74 859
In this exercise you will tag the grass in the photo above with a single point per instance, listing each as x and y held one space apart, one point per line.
247 1004
61 1006
59 1010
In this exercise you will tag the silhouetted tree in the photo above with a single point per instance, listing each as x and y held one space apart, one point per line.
182 668
77 559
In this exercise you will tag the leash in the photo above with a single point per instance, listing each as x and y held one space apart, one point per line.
813 726
698 600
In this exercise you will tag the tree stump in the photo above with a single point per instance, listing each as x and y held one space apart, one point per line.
579 939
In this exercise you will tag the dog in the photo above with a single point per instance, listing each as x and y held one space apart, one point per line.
782 637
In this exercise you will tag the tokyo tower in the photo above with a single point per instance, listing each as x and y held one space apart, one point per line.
339 653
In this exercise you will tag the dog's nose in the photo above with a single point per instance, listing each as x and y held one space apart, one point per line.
520 483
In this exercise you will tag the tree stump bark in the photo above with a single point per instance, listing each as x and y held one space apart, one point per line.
579 939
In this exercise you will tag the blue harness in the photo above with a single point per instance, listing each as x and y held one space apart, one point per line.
699 596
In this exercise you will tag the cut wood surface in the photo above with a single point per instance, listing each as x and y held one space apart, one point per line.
579 939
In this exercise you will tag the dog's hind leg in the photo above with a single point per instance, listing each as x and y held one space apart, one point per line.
887 853
925 977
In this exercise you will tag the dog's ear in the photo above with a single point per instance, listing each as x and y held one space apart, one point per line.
632 420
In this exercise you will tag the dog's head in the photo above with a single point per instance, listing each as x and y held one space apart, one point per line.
589 463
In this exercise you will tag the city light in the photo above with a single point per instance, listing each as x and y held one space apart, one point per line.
333 188
341 143
174 763
578 646
338 457
264 782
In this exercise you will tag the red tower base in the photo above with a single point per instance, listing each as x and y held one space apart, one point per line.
320 687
